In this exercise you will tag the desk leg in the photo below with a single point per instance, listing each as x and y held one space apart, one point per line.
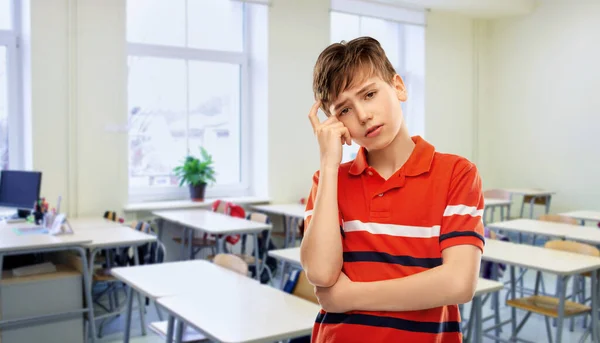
221 244
127 332
183 235
170 325
190 245
257 265
561 308
89 290
160 228
283 267
141 302
513 293
294 227
595 304
531 205
478 320
496 301
286 231
179 331
502 217
548 199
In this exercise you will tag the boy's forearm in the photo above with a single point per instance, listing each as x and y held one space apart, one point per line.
436 287
321 248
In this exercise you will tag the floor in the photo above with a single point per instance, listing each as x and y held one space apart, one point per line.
534 330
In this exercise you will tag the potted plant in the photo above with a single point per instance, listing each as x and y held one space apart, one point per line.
196 173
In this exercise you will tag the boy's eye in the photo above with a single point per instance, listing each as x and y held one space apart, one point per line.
370 95
344 111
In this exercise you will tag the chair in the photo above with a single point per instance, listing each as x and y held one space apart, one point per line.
262 244
228 261
231 262
527 199
547 305
302 289
558 219
497 194
305 289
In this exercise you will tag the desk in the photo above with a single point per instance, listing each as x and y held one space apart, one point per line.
534 194
475 325
113 238
292 214
563 264
13 244
244 312
174 278
583 215
189 204
213 223
578 233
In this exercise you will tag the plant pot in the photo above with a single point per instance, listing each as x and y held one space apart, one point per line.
197 192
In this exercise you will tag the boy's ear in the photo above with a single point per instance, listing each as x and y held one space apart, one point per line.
400 88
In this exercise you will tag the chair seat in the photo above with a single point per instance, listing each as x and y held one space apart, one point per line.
249 259
189 334
547 306
199 241
103 275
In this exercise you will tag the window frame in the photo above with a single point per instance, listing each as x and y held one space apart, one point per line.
10 39
149 193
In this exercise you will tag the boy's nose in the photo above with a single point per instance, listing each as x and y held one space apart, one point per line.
363 115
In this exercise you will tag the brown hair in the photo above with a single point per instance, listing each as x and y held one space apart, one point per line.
343 64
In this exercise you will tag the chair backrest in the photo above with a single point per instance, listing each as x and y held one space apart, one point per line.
574 247
142 226
558 219
497 194
236 210
112 215
537 201
219 206
304 289
259 217
232 263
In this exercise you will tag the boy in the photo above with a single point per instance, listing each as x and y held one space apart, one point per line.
394 238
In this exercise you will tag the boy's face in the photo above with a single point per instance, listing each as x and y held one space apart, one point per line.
371 111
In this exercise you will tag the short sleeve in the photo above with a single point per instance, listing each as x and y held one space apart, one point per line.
462 220
310 203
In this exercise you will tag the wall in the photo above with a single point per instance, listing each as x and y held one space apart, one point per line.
449 83
539 126
78 87
298 32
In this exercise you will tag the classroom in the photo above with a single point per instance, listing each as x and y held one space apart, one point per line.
159 160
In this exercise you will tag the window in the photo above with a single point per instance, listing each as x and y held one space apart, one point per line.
10 118
404 45
188 76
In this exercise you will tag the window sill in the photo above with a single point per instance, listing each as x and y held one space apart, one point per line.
183 204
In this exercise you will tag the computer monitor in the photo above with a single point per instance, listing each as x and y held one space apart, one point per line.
19 189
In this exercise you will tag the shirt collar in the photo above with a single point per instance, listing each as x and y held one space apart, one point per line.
418 163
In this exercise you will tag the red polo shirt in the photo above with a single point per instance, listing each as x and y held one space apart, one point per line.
398 227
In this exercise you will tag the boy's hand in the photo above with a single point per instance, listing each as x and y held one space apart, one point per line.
337 298
331 134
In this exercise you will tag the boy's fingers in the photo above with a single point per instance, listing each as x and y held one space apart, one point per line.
347 137
312 115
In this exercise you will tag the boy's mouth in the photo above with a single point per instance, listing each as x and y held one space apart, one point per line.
372 129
